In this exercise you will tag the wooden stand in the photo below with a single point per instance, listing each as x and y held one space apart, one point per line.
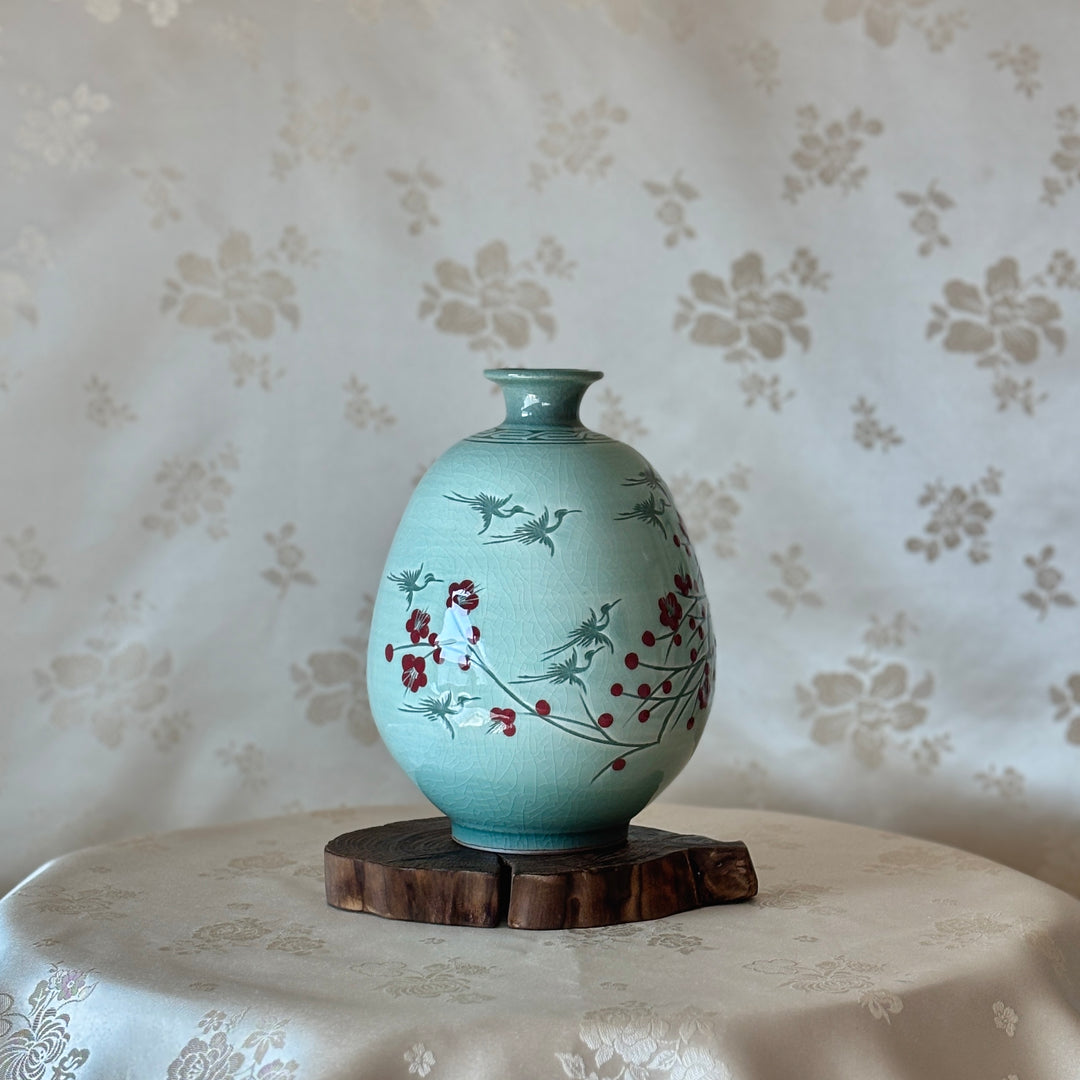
413 870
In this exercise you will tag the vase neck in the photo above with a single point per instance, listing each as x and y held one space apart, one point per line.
543 397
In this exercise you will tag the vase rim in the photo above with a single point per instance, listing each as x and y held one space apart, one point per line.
573 375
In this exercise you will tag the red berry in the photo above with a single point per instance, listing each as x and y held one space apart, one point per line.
643 715
464 663
676 541
619 764
701 632
437 656
509 729
631 660
474 636
432 638
605 719
542 707
648 638
389 653
693 623
690 724
677 639
667 686
616 689
693 655
644 690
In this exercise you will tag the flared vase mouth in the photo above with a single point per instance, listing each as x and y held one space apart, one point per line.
543 397
578 376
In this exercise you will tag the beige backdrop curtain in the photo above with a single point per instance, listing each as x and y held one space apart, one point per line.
254 255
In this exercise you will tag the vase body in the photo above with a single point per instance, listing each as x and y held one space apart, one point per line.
541 652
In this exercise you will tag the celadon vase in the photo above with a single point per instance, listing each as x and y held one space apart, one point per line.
541 651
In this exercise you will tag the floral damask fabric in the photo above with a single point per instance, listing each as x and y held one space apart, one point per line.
212 955
254 255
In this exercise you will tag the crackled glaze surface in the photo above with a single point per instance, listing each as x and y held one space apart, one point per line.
541 654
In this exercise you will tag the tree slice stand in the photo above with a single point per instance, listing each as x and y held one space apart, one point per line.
413 870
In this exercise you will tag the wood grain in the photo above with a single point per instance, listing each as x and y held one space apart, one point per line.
415 871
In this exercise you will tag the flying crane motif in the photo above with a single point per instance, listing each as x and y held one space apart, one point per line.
647 510
590 631
488 506
408 582
564 671
536 530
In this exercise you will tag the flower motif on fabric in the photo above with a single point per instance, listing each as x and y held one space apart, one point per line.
882 19
827 154
242 932
248 760
450 980
195 490
361 410
973 928
99 903
415 196
634 16
575 142
158 193
57 132
1048 592
710 507
419 1059
494 305
219 1054
794 591
671 211
1003 324
837 975
1066 158
115 684
1023 62
874 703
41 1045
103 409
958 515
238 296
321 131
615 421
242 36
762 57
752 317
925 221
637 1040
912 859
20 263
870 433
161 12
289 557
1007 784
1005 1018
882 1004
1066 702
29 572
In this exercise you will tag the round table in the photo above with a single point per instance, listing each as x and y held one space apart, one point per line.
210 954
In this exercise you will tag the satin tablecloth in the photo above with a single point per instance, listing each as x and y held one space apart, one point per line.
210 954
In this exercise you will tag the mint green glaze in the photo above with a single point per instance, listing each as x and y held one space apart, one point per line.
541 651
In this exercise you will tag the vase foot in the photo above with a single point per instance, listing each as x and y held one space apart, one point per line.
538 843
